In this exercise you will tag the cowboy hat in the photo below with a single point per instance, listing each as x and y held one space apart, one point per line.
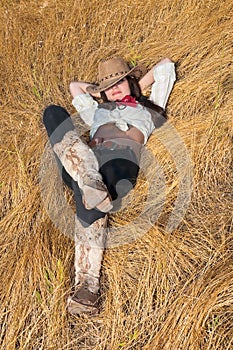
112 71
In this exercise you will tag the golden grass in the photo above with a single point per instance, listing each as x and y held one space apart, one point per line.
166 290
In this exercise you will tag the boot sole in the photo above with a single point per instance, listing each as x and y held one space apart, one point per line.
76 308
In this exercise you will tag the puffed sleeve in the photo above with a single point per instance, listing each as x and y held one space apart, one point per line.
164 76
85 106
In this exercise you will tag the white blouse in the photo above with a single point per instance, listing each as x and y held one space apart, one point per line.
122 116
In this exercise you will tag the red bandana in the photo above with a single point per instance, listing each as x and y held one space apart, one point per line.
129 101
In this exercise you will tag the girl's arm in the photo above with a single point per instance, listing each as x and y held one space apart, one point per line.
83 102
79 87
148 78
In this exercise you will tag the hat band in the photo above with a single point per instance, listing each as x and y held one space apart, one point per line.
113 75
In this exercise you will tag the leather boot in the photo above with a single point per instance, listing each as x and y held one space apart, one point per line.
89 247
81 164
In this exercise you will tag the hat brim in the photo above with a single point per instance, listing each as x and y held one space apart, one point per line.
135 71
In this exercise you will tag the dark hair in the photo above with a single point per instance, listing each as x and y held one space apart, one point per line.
158 113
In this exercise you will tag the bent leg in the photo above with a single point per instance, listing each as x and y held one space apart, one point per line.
76 158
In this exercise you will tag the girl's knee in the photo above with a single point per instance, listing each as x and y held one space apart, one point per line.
50 112
54 112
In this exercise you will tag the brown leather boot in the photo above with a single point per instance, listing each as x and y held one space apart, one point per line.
89 248
81 164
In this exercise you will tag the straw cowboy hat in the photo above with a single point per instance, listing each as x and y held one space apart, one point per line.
113 70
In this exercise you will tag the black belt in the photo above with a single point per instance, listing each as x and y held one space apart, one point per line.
99 143
110 151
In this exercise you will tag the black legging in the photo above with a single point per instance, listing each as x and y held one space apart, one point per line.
118 168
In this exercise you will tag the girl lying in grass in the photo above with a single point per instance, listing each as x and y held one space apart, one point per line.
105 170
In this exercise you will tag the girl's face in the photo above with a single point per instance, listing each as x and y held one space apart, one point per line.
118 91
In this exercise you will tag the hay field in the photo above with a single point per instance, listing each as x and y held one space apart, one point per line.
165 290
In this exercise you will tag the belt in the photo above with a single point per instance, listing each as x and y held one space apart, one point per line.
99 143
112 151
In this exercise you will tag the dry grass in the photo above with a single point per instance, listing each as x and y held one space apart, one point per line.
166 290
